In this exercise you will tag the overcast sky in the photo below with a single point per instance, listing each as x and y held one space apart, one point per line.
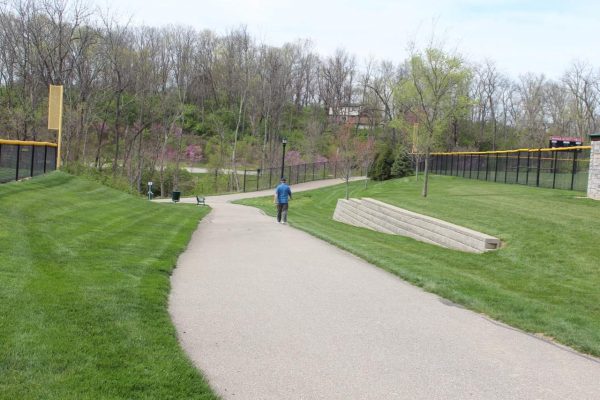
541 36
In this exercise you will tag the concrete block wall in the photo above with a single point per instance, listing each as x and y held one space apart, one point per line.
382 217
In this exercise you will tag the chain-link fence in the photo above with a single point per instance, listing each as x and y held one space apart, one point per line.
556 168
19 159
268 178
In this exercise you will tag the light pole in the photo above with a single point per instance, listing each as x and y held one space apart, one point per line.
284 142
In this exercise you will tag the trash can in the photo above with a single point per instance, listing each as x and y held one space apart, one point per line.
175 196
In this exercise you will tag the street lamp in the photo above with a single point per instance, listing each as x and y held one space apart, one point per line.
284 142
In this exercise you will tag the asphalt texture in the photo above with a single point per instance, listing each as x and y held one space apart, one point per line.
267 311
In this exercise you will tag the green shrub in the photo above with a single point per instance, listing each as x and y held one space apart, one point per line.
187 181
402 165
381 169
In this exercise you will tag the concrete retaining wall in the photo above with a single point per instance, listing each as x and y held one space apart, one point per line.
382 217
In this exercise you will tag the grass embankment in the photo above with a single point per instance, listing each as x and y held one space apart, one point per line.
546 280
84 275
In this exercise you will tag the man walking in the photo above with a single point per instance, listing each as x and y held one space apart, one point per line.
282 195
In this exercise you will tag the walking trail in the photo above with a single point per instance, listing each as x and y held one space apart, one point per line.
267 311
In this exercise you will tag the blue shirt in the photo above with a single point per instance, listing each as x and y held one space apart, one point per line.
283 192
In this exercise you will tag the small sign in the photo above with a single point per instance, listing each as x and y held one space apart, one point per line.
149 183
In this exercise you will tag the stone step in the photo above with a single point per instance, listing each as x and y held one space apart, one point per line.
431 223
439 234
425 235
351 212
382 217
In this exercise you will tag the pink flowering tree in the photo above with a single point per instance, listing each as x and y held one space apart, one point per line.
293 157
193 153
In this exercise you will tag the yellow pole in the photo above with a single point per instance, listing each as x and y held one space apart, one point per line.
58 150
55 103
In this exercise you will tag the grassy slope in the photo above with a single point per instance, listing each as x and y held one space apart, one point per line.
84 278
546 280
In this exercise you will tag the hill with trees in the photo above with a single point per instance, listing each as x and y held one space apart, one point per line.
141 102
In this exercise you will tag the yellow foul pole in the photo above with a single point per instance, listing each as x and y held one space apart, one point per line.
55 104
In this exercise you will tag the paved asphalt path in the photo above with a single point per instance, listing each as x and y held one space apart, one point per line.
269 312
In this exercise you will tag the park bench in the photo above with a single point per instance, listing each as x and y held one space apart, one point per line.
200 201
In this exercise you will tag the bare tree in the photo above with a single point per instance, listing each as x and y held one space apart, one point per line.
582 83
532 119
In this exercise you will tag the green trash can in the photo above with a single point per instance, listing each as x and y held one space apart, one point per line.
175 196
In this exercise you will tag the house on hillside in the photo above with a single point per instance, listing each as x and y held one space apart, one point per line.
355 114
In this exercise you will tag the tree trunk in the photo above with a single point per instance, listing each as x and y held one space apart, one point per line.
117 138
426 173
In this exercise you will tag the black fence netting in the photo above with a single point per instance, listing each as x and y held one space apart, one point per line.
561 168
268 178
20 160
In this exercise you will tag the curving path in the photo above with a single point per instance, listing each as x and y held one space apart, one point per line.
269 312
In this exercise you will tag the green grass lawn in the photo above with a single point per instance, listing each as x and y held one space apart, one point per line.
546 280
84 282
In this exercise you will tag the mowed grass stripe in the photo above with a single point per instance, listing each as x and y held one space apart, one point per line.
85 272
544 281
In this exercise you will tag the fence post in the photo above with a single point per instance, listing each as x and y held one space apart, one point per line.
574 169
478 164
456 164
506 168
45 157
18 162
32 159
528 164
335 170
518 164
313 172
470 164
445 164
324 168
555 168
457 159
244 190
257 178
290 174
496 168
487 164
270 176
539 164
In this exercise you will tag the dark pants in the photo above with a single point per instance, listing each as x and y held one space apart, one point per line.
282 209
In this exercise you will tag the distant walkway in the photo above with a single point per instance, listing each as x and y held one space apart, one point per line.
201 170
269 312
